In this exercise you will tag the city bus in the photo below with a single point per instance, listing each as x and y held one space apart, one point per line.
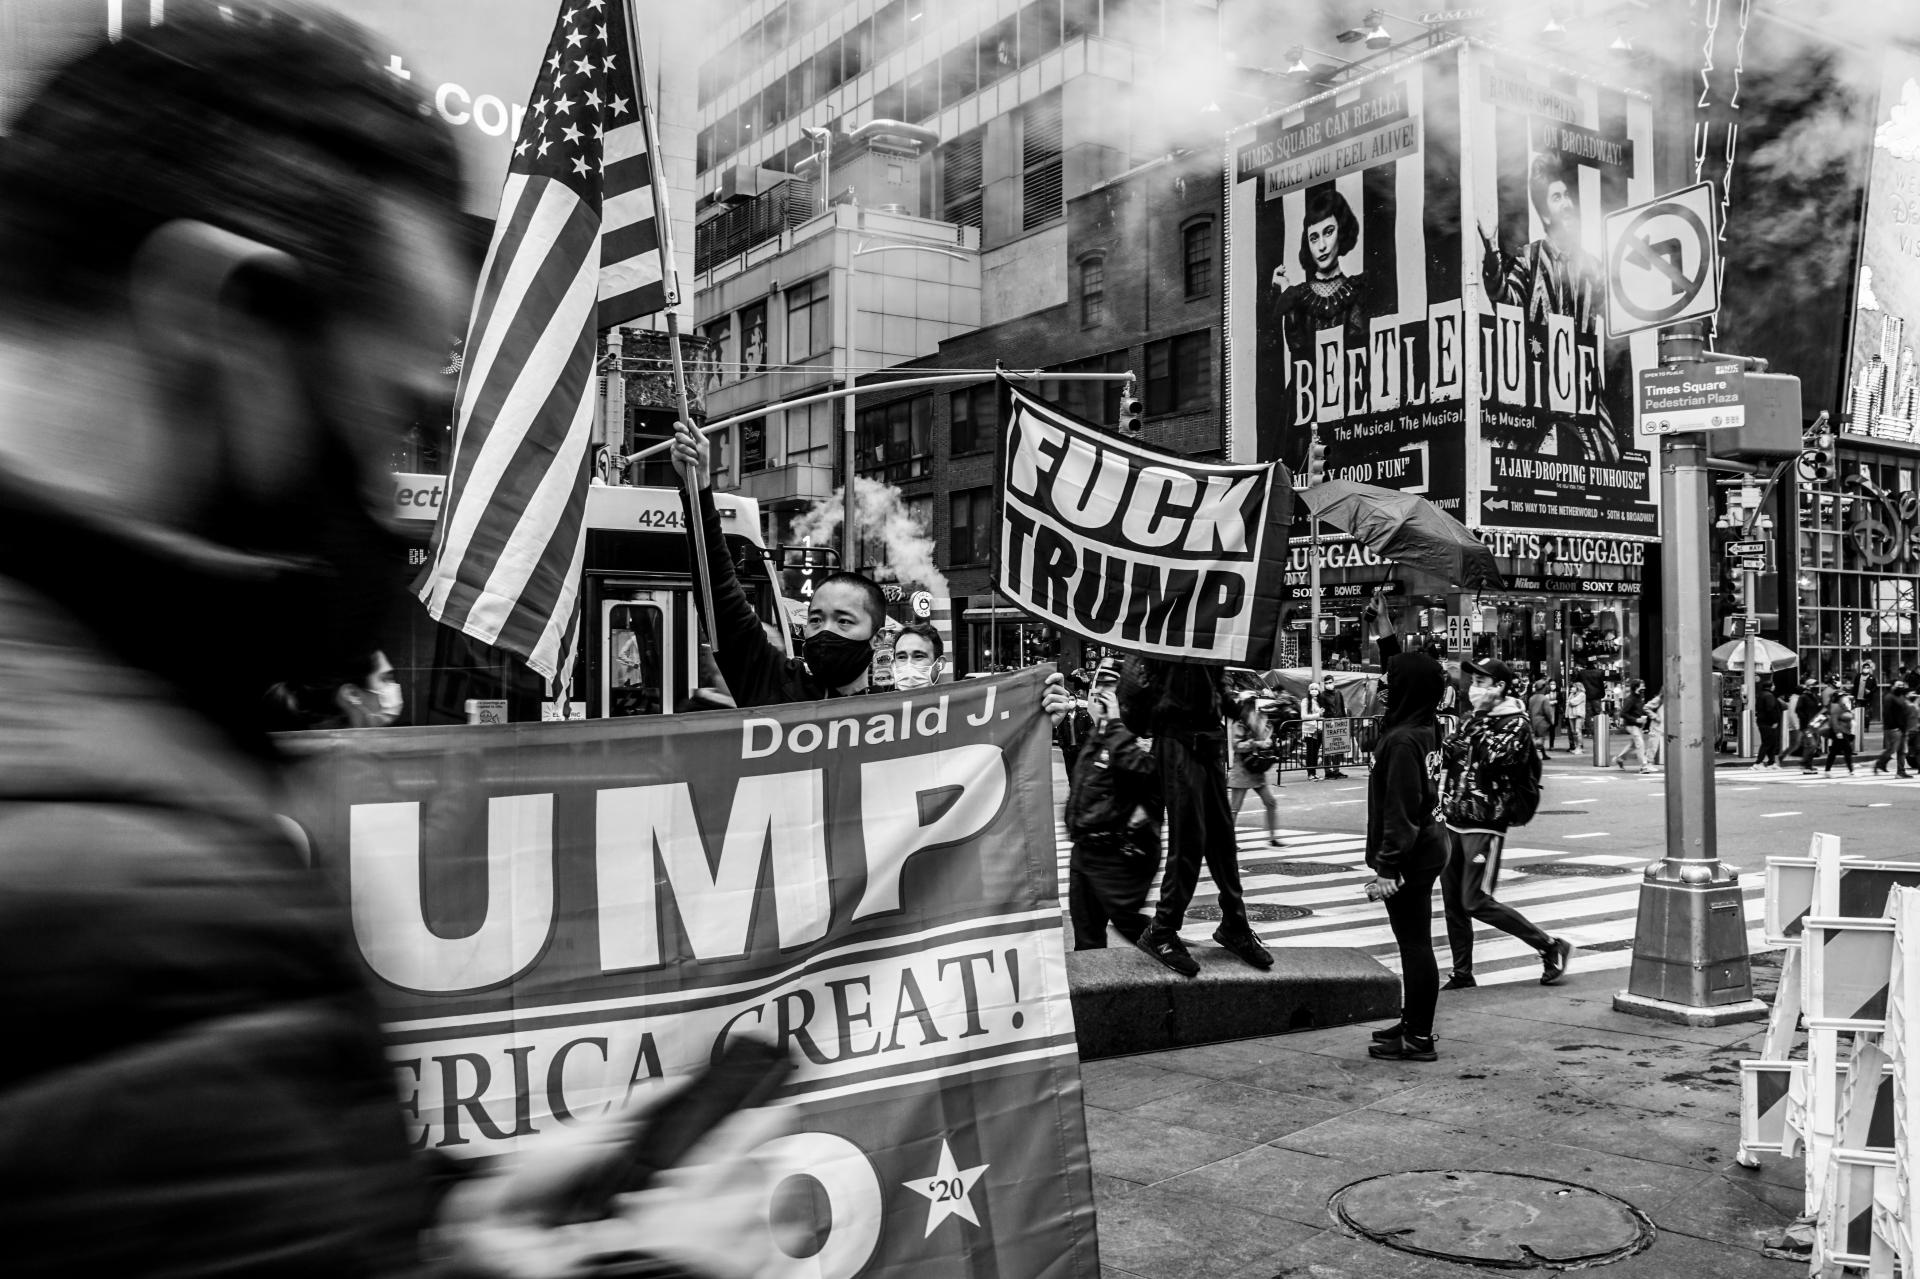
639 654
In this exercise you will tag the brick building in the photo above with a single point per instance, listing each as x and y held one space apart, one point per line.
1143 253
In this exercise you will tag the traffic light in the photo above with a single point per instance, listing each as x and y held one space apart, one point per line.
1130 410
1817 462
1316 460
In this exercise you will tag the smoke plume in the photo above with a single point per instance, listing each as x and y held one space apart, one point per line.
881 514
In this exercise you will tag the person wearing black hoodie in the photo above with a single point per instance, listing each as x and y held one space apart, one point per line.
1182 706
1405 847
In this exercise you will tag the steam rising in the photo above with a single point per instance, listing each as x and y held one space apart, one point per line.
881 514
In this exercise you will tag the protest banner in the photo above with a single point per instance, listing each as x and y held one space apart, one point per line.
1129 545
554 914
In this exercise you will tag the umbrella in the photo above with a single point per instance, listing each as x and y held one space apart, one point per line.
1406 529
1767 656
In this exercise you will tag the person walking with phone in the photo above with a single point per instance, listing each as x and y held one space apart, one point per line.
1840 731
1896 722
1113 818
1492 782
1634 718
1406 847
1576 715
1813 723
1540 711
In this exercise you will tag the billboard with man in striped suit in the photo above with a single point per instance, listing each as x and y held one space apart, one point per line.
1415 283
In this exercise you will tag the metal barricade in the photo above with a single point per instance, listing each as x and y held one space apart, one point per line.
1363 732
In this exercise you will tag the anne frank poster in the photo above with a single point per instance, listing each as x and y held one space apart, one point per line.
1345 317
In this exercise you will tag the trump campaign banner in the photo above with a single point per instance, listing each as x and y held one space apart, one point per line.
1134 546
556 914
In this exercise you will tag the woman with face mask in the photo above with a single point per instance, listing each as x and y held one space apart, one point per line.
1311 713
1406 848
365 697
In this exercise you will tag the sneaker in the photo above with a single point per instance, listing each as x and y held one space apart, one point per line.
1390 1033
1554 960
1243 943
1169 950
1404 1048
1273 841
1460 981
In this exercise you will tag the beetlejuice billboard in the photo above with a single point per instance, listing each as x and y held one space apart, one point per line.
1415 282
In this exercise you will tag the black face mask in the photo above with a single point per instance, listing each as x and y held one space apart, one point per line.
835 660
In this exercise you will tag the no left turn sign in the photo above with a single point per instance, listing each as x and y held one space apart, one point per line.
1663 262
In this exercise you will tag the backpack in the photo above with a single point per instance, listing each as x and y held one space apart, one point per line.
1525 800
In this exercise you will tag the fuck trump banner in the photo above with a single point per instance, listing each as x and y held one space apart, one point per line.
555 914
1137 547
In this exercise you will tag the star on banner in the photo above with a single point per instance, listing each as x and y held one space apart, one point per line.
949 1191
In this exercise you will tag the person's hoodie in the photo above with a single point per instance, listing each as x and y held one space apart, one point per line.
1403 794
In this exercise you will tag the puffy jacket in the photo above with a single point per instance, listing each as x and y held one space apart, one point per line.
194 1081
1114 778
1481 761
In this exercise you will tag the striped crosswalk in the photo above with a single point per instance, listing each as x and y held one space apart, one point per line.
1588 896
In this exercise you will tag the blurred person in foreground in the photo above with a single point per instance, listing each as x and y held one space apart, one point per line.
227 273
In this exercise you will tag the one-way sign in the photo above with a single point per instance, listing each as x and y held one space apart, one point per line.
1755 547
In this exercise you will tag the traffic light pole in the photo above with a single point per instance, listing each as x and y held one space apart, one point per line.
1313 594
1749 723
1690 959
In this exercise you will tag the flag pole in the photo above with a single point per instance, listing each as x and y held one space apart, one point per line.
670 283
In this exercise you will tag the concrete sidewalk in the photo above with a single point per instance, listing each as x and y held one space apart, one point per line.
1218 1161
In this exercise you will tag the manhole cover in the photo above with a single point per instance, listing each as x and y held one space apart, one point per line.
1576 870
1504 1220
1257 912
1559 812
1294 868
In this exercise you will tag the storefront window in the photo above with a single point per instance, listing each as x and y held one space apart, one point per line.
1857 544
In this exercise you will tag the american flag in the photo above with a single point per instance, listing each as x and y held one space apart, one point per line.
576 248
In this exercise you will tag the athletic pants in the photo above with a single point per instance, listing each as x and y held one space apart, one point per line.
1466 890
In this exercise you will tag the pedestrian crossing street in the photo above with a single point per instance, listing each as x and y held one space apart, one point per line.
1593 911
1792 774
